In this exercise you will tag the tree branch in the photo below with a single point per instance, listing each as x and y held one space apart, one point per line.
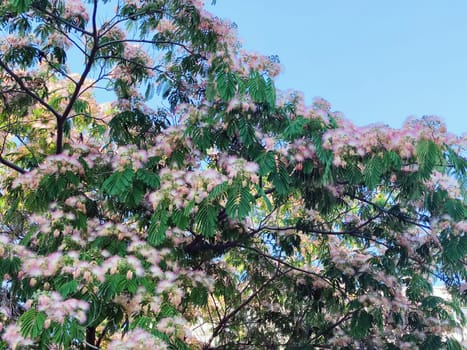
334 325
79 85
401 217
158 42
200 245
62 20
28 91
12 165
226 318
290 266
310 229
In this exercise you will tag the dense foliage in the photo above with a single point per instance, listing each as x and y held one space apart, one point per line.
203 209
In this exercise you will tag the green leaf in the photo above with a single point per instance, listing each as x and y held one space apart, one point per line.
131 126
180 219
270 92
10 266
81 106
264 197
246 131
244 204
226 85
211 92
60 57
63 334
202 137
432 342
373 171
199 296
167 310
427 155
392 161
256 87
67 127
280 179
266 162
360 324
32 323
206 219
68 288
159 224
456 209
22 5
55 101
460 163
452 344
295 128
149 178
218 192
432 301
119 182
131 285
239 201
417 287
180 344
455 248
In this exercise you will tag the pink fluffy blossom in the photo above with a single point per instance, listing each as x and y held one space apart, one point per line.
14 338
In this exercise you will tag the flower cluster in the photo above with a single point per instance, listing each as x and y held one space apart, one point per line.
75 10
58 309
234 166
58 40
173 325
16 42
137 339
301 150
260 63
349 261
444 182
130 156
42 266
136 53
53 165
245 105
350 140
165 25
13 337
183 187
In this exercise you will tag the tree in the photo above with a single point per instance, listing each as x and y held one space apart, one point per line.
220 205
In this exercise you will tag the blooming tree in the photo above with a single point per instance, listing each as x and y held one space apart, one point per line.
220 214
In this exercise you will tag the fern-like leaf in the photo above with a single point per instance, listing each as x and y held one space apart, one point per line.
119 182
148 178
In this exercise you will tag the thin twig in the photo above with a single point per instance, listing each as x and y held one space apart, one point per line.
12 165
222 324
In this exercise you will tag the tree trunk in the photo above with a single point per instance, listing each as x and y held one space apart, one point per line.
90 338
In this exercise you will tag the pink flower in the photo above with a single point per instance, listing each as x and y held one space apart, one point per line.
75 9
58 309
14 338
137 339
165 25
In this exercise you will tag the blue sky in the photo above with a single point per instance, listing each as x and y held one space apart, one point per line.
375 61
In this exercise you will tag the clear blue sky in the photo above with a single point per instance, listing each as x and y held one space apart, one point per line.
375 61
